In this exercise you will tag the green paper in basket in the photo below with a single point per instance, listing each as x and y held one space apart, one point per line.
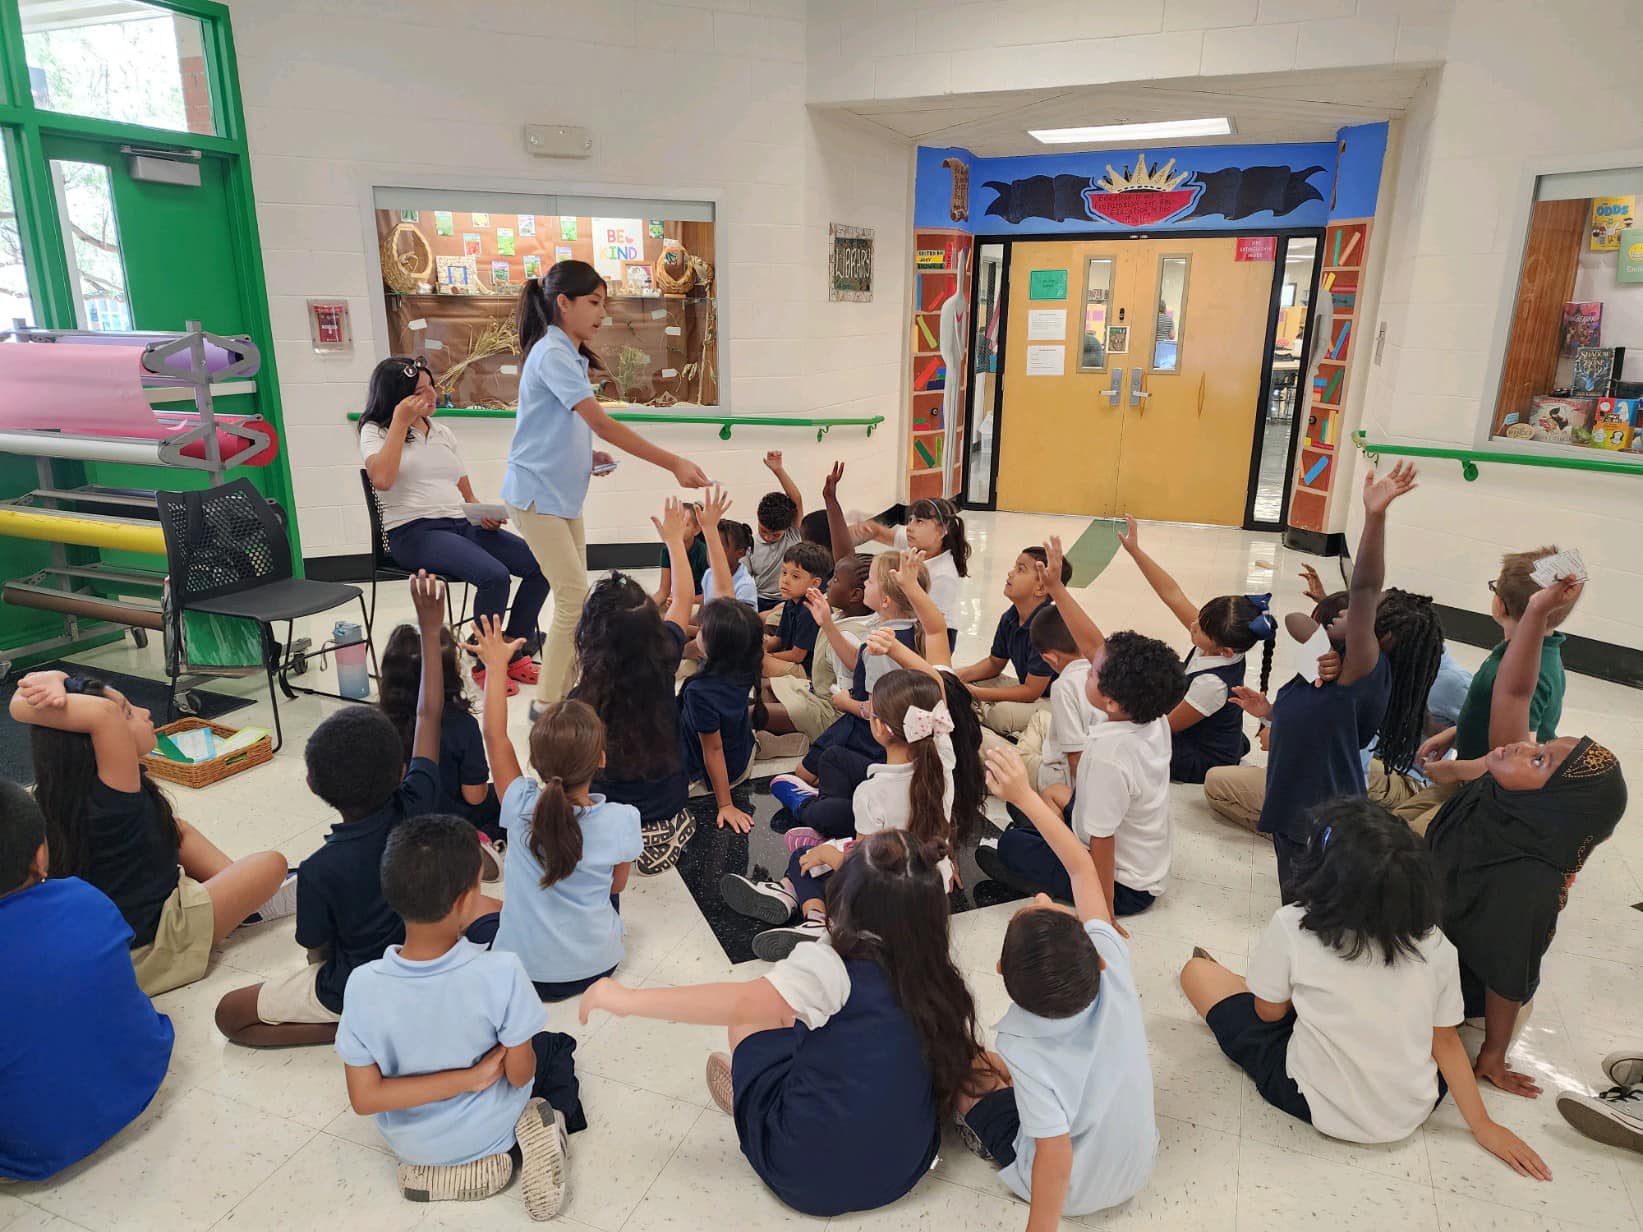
169 750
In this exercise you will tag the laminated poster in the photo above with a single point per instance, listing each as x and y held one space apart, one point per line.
654 228
410 216
1611 216
527 224
504 241
500 272
533 266
1046 360
1047 284
561 253
470 244
1630 268
617 241
443 224
567 229
482 221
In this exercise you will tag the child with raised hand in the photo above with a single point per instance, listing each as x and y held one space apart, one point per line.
695 556
778 515
716 729
805 703
1009 705
936 528
1065 1106
1065 728
83 1050
1347 1017
445 1043
847 1056
1207 728
1318 733
356 765
569 851
789 650
111 826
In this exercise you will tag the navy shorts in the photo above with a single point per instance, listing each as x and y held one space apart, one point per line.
1260 1049
995 1120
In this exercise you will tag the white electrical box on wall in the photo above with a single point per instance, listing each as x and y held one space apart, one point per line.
558 141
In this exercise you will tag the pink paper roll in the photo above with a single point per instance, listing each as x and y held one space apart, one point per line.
74 387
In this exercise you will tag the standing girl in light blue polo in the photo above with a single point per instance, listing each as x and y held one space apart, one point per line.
552 453
569 851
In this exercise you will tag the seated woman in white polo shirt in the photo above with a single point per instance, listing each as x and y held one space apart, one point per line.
421 484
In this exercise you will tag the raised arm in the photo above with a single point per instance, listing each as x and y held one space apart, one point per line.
428 598
885 642
1363 648
1520 667
1007 779
41 701
937 648
1090 639
714 507
840 541
686 472
1163 585
773 459
495 651
847 650
671 527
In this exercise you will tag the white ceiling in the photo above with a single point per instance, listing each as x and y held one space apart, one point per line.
1263 107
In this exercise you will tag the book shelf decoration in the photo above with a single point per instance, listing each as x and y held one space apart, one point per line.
940 341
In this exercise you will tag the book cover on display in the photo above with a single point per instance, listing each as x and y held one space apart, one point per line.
1557 421
1582 327
1595 368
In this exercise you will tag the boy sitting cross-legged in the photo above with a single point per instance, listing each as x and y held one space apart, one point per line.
1065 1105
445 1041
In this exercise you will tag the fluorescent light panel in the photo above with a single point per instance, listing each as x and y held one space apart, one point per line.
1212 126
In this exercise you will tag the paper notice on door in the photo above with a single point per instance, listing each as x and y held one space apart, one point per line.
1047 325
1046 360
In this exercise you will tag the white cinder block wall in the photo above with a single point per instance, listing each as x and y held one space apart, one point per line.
1504 103
698 98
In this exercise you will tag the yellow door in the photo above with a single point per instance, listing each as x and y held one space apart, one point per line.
1136 391
1062 420
1190 428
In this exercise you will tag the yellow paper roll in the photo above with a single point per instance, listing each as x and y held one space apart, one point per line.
125 535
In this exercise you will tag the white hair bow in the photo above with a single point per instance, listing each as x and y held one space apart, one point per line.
920 724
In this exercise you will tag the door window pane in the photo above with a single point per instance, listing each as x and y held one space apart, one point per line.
91 239
1092 356
1172 302
978 487
118 60
15 302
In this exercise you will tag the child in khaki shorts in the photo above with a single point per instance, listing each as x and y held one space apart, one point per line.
806 703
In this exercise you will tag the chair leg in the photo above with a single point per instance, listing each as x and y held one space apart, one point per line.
285 685
370 642
270 657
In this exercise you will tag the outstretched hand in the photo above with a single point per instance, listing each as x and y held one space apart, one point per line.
912 560
830 485
1314 584
605 994
1560 593
820 610
1252 701
716 504
494 648
43 690
1493 1070
1054 557
674 524
1130 536
773 459
484 1072
1380 492
1007 776
428 598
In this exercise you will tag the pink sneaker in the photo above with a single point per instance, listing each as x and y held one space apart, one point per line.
801 837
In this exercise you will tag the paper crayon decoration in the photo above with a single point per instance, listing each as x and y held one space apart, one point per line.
1316 469
929 335
1340 340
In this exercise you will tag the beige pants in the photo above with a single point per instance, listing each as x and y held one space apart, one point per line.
1008 718
181 949
1236 793
1029 744
293 997
560 547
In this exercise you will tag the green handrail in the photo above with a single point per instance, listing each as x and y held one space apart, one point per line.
725 422
1469 458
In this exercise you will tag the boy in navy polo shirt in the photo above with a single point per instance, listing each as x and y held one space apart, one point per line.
83 1051
1065 1105
446 1042
790 650
355 765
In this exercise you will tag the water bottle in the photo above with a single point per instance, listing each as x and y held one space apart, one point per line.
352 678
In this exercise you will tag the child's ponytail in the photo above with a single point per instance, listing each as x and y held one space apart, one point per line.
969 776
1237 622
567 743
953 542
884 569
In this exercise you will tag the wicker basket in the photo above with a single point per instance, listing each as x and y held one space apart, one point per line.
204 773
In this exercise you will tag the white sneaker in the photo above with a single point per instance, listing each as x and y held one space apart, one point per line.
281 903
775 944
1614 1117
770 901
543 1158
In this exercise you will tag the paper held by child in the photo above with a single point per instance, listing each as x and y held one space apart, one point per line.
1567 563
1313 649
477 513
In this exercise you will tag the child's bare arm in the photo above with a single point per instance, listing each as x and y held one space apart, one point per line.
677 576
727 1004
519 1064
773 459
370 1093
41 701
885 642
842 542
1007 779
1450 1054
494 651
1363 648
936 646
847 650
428 598
1084 631
715 505
1052 1173
1519 672
718 778
1163 585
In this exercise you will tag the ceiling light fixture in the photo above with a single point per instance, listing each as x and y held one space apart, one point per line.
1215 126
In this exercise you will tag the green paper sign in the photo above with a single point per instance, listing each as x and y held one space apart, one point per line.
1047 284
1630 267
567 229
504 241
443 224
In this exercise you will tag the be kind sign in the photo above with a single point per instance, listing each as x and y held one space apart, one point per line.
616 240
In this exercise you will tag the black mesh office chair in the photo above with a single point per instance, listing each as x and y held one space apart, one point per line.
228 555
384 567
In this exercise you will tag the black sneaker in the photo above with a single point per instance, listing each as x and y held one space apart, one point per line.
770 901
665 842
775 944
990 862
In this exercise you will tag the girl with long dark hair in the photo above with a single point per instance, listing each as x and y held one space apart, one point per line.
846 1058
552 455
421 485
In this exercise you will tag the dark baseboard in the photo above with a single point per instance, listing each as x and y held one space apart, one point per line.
1314 542
1587 656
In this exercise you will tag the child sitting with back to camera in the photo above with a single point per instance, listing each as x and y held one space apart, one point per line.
355 764
446 1044
1065 1105
84 1050
1120 806
569 851
465 788
695 554
1207 727
112 827
1347 1018
1008 706
778 515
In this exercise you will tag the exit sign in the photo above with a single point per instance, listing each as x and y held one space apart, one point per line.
1257 248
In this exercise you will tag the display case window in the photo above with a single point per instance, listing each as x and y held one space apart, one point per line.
1572 376
453 264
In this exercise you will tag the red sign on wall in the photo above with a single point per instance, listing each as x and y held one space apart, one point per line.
1257 248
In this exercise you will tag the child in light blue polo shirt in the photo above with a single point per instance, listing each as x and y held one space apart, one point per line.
444 1041
737 540
1070 1088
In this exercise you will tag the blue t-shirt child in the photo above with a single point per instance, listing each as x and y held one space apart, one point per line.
569 930
1013 642
409 1018
83 1050
551 455
710 702
742 586
797 630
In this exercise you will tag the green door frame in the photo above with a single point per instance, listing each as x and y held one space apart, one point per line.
23 125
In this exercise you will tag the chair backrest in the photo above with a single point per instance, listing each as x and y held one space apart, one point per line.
381 557
222 540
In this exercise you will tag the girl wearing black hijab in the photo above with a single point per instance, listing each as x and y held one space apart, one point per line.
1509 843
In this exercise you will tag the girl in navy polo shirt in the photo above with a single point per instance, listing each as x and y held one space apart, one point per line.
1206 727
848 1056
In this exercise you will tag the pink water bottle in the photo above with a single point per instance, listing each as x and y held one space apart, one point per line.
352 678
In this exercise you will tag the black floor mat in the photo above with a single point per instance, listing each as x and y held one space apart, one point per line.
762 855
17 764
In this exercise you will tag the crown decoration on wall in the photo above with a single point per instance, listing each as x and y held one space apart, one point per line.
1154 178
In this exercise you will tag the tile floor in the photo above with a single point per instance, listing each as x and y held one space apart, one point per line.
247 1140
